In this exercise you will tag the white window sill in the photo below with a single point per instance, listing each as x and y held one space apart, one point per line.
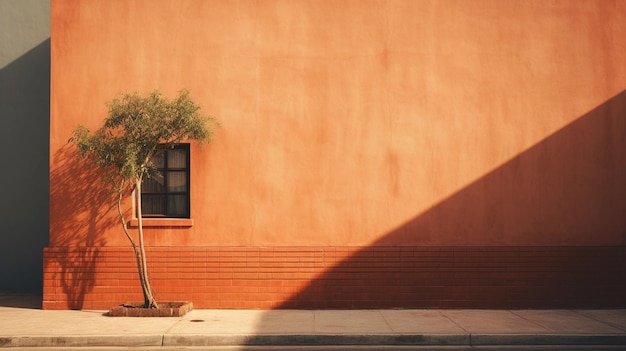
163 222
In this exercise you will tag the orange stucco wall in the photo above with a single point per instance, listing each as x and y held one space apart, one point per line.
359 123
343 121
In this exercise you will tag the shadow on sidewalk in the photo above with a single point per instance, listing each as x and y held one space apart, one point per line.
30 301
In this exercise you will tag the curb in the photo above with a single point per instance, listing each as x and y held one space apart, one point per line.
313 340
81 340
189 340
547 339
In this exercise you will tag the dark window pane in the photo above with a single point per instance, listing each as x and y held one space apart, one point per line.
177 158
159 159
153 204
154 184
176 182
177 206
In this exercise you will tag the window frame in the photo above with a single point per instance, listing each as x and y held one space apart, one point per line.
166 172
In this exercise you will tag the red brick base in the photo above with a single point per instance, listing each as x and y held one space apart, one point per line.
342 277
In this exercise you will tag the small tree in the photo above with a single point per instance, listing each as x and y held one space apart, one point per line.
135 130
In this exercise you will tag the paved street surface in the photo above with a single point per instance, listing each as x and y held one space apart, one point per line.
332 348
24 325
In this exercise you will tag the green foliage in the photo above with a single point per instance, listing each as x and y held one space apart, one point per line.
134 129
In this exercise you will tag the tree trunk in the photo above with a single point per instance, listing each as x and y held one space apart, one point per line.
139 257
149 300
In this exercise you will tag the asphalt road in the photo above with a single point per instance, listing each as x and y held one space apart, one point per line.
335 348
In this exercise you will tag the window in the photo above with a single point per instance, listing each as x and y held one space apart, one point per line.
166 194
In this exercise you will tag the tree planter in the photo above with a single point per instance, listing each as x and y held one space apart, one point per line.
166 309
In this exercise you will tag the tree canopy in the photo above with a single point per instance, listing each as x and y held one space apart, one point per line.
136 126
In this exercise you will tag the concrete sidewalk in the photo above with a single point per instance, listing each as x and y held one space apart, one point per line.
23 324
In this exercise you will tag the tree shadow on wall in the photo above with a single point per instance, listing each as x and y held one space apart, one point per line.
537 232
82 213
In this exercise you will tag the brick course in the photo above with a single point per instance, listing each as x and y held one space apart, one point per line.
341 277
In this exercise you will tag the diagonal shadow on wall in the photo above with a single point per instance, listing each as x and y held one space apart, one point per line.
24 136
546 229
568 189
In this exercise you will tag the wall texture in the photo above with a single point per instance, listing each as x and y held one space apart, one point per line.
357 126
24 137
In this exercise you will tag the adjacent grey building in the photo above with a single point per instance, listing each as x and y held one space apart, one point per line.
24 136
